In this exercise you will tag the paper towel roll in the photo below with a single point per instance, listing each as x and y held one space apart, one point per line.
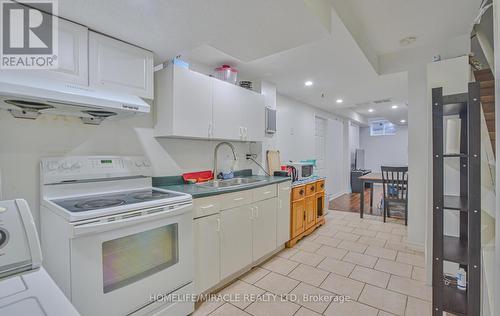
452 140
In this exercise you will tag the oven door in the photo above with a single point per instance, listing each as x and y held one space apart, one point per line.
120 266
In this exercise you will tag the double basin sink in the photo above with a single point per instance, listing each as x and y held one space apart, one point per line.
229 183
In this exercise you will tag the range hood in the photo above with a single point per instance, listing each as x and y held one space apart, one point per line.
24 99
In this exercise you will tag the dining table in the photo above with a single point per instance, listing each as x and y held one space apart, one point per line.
370 178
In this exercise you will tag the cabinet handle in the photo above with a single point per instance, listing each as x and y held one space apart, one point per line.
257 211
252 215
218 226
207 207
301 192
210 129
267 192
238 199
280 204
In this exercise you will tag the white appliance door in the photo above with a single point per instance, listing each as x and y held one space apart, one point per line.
118 271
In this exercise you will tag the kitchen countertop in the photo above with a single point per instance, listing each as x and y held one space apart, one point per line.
176 183
306 181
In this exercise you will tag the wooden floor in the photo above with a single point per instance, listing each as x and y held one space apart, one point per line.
350 202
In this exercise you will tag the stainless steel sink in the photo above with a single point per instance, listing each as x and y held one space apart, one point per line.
234 182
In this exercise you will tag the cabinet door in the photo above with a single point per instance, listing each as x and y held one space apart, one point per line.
310 211
72 58
207 252
236 240
283 214
253 120
298 217
192 101
118 66
227 116
264 228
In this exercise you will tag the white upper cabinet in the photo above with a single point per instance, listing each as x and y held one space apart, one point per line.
253 115
193 105
227 116
118 66
73 54
238 113
183 103
72 58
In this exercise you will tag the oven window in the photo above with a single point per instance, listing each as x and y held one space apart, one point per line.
131 258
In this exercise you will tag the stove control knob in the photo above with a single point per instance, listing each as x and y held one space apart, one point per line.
4 237
52 165
76 165
65 166
138 164
146 164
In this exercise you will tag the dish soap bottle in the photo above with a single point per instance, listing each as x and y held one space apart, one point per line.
461 279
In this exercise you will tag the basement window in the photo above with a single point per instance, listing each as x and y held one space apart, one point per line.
382 128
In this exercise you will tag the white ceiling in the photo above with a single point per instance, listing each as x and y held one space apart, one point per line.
246 29
281 41
386 22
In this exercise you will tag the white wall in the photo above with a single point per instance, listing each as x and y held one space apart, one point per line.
24 142
353 142
391 150
415 61
295 140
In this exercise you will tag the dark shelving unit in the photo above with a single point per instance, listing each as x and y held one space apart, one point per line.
464 249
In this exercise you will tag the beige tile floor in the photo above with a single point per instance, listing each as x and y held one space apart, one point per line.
365 259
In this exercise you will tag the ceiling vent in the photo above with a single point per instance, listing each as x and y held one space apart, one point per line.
363 103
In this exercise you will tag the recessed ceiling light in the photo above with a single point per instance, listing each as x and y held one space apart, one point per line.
339 101
403 121
308 83
371 110
394 106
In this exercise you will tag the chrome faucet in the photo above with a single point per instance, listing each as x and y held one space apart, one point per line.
215 155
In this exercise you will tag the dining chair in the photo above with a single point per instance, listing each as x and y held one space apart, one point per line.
395 187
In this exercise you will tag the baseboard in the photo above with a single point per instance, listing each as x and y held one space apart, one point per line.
334 196
415 247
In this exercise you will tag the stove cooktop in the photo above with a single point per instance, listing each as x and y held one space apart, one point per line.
102 201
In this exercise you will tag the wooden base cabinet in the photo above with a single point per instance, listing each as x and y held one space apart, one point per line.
307 210
298 217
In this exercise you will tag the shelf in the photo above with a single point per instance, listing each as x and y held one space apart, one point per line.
452 202
455 155
455 104
454 300
455 250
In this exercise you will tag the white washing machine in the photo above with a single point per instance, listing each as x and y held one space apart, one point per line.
25 287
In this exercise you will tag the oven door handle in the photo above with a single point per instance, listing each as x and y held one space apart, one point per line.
125 220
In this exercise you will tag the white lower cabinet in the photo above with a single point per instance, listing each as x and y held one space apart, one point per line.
236 229
264 228
283 213
236 240
207 252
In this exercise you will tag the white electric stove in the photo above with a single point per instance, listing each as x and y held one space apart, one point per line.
112 242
